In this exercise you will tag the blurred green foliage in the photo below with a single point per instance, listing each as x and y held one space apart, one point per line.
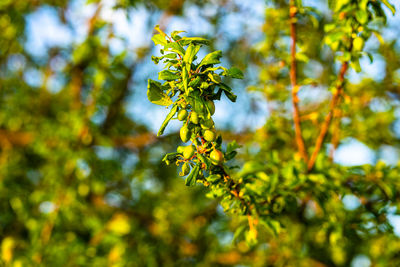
82 182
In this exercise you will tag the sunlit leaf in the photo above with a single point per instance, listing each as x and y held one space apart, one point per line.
156 95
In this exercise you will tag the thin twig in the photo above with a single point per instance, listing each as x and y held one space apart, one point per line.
328 118
295 87
337 114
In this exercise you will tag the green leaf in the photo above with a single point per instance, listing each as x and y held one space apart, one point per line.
362 16
156 95
157 28
340 4
302 57
171 156
175 47
175 33
251 167
167 119
194 40
225 87
371 58
355 64
239 232
390 6
272 225
197 104
213 178
378 11
185 80
167 75
235 73
329 27
195 82
232 146
158 39
212 58
172 56
204 160
227 90
191 52
156 59
217 96
333 37
212 69
231 155
214 77
191 179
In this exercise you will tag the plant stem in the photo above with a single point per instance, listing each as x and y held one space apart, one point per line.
328 118
295 87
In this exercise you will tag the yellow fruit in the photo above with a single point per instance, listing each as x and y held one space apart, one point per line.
185 133
180 149
358 44
188 152
209 135
216 157
182 114
185 169
194 118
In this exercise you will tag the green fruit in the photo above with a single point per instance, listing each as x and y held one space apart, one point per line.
358 44
207 124
204 85
180 149
185 133
211 107
209 135
188 152
216 157
185 169
182 114
194 118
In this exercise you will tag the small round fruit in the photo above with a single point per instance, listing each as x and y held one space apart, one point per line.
188 152
216 157
207 124
182 114
185 133
204 85
211 106
185 169
358 44
180 149
209 135
194 118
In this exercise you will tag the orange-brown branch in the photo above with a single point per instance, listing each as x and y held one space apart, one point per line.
328 118
295 88
337 114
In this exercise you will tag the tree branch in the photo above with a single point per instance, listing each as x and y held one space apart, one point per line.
328 118
295 88
337 114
